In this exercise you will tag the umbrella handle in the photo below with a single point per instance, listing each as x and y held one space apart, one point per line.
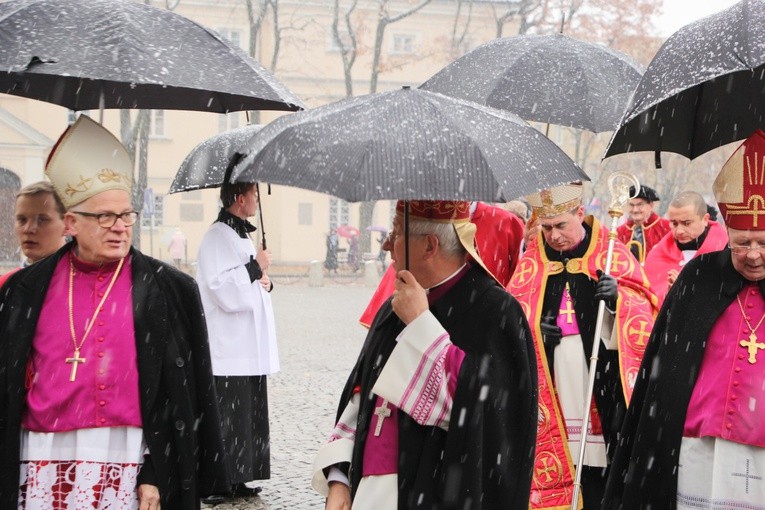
619 184
260 213
406 234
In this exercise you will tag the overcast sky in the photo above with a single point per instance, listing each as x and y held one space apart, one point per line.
681 12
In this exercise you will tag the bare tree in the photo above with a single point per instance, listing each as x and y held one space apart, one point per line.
383 20
345 41
458 35
135 138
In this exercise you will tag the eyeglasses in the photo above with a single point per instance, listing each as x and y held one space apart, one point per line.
742 249
392 236
108 220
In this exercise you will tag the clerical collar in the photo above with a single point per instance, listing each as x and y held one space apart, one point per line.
240 226
693 244
89 267
436 291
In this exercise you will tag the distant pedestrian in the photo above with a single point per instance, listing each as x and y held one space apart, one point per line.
330 259
354 253
382 255
177 247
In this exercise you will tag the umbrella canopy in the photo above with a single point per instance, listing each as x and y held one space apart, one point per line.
205 165
407 144
348 231
124 54
544 78
704 88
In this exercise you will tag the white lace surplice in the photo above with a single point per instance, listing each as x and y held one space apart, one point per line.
87 468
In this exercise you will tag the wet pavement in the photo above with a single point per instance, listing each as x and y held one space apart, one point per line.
319 339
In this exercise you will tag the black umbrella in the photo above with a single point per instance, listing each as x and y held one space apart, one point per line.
122 54
407 144
205 165
704 88
544 78
210 162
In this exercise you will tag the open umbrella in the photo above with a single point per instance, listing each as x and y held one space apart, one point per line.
407 144
348 231
704 88
122 54
544 78
205 165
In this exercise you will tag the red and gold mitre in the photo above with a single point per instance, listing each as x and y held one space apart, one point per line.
87 160
554 201
456 212
442 211
740 186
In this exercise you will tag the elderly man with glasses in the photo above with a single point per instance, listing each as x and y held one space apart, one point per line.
441 408
643 228
106 389
694 430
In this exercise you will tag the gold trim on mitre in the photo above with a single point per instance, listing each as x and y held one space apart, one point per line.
728 187
87 160
554 201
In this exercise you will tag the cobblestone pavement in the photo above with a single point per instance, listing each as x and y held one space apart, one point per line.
319 338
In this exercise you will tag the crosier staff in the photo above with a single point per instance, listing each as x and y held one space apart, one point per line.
619 185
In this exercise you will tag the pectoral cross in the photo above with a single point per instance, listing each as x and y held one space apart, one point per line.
74 360
382 412
753 346
569 310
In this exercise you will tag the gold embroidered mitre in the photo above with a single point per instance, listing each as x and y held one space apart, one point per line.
87 160
740 186
554 201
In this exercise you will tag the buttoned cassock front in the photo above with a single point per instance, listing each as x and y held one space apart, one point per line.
177 396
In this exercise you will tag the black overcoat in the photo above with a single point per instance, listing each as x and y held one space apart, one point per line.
484 461
644 471
178 410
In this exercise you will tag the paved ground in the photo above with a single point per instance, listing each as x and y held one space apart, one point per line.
319 339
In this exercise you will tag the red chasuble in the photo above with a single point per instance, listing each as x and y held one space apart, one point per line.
552 482
653 230
666 256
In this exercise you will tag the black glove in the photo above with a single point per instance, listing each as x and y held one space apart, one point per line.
605 290
551 333
253 268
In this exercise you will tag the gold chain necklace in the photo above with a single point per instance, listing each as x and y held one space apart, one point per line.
76 359
752 345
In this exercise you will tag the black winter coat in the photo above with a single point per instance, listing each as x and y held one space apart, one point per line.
644 471
484 460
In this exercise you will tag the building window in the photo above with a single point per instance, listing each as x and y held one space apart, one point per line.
192 212
232 36
305 214
332 45
192 196
339 212
157 126
403 44
158 213
227 121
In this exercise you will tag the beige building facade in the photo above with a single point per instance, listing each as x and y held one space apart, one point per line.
309 63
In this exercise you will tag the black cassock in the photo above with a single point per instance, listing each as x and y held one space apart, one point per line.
644 471
484 460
